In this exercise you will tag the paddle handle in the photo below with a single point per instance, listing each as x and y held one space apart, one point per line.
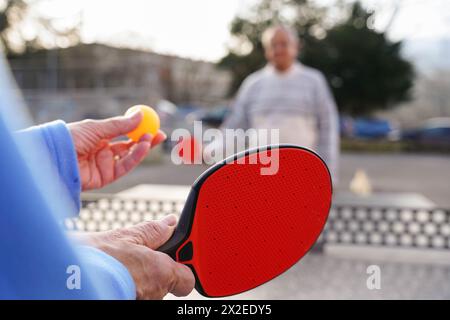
183 229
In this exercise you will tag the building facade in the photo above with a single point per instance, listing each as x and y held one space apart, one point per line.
96 81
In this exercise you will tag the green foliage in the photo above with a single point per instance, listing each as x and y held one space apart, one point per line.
365 70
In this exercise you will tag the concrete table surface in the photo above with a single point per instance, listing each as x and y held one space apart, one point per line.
341 272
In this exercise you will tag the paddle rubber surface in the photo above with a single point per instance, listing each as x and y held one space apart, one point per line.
248 228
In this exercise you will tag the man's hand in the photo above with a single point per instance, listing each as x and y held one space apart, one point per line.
101 161
154 273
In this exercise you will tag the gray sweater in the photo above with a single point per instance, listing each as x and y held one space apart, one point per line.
298 102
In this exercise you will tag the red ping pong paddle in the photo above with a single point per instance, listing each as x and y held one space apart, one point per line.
189 150
240 228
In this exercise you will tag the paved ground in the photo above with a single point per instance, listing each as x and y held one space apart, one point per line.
425 174
324 276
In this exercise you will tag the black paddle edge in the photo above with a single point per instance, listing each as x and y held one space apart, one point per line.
183 230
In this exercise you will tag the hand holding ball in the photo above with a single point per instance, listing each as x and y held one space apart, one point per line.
150 122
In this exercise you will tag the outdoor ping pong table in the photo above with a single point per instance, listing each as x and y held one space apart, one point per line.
410 245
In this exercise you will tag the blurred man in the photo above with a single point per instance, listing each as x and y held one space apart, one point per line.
291 97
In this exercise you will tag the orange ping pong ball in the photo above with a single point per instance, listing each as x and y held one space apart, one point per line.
150 122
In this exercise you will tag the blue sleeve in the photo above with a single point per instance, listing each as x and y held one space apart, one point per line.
59 143
35 254
116 281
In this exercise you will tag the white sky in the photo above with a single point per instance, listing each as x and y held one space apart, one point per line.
200 28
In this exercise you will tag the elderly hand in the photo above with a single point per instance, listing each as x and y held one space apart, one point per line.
154 273
101 161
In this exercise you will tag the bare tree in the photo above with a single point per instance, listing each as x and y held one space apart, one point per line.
23 28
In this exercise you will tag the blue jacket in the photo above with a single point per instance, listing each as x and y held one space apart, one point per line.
40 186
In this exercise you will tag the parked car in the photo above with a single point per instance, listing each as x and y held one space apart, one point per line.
365 128
211 117
172 117
371 128
435 133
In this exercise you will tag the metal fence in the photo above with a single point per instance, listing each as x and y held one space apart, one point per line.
375 226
